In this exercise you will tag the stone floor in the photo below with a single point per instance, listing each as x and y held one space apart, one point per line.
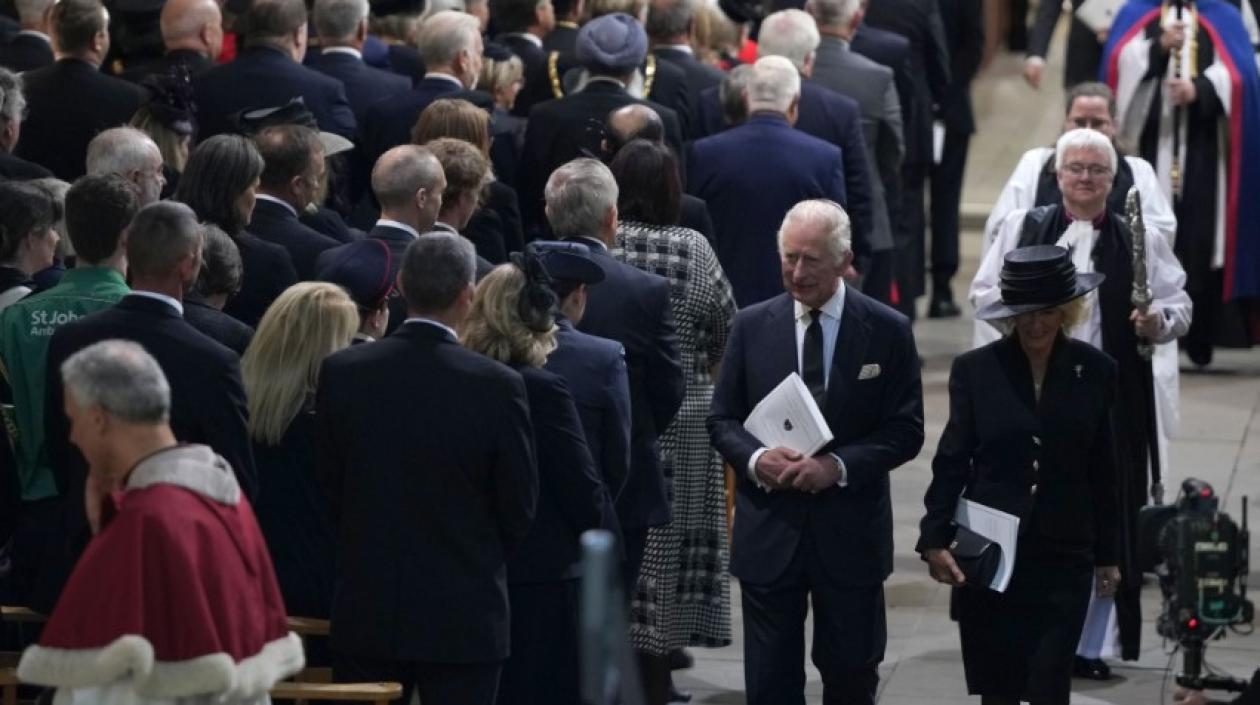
1219 441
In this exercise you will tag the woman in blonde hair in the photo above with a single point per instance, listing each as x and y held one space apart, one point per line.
304 325
512 321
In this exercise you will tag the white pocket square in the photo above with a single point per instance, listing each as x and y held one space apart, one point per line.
870 371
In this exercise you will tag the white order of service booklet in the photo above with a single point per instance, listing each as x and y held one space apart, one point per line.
997 526
789 417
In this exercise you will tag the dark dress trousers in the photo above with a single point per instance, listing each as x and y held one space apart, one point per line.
193 61
365 85
1050 461
217 325
261 77
835 545
26 52
57 128
543 573
17 169
424 527
279 225
632 307
750 176
267 270
559 130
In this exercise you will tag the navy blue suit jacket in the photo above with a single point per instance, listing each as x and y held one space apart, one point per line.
388 123
261 77
750 176
874 407
837 119
571 495
632 307
365 85
25 52
274 223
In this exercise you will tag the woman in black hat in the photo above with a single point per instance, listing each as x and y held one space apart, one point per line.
1029 434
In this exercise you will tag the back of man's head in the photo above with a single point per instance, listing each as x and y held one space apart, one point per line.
444 35
464 166
833 14
578 196
31 12
75 24
436 269
1090 89
773 86
120 150
339 20
514 15
401 172
271 21
287 151
161 235
121 378
732 94
98 210
183 20
636 122
791 34
670 19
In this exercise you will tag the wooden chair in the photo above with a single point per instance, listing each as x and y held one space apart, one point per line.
306 627
376 693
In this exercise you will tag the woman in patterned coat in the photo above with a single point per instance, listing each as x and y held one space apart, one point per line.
682 598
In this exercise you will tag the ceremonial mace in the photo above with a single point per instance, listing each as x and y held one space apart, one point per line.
1141 299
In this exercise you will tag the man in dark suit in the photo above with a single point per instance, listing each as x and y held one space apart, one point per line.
30 48
522 27
423 535
70 101
192 32
293 170
919 21
817 528
12 109
753 174
669 27
268 73
631 307
450 43
610 48
964 28
562 38
846 72
343 28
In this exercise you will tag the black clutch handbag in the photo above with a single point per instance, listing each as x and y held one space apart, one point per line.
976 556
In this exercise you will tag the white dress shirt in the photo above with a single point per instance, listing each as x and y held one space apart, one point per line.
444 77
273 199
169 300
386 222
431 322
344 50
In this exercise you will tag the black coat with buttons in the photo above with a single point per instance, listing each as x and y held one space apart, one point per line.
1049 460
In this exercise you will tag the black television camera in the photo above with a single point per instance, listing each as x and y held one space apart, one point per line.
1200 557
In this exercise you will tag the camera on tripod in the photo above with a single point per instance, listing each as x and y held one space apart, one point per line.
1200 556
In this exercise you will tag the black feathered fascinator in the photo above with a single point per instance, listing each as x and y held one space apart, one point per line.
537 306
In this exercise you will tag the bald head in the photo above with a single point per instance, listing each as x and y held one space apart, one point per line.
193 24
408 182
636 122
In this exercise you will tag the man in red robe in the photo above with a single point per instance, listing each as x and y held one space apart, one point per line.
175 598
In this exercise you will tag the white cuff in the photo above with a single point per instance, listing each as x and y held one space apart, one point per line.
844 472
1035 60
752 468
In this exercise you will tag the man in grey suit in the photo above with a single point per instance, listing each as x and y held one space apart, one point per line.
872 86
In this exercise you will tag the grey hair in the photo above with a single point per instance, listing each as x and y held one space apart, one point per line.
826 215
12 100
401 172
120 377
731 94
670 18
444 35
30 11
120 150
578 197
338 19
1084 138
436 6
791 34
773 84
833 13
161 235
436 268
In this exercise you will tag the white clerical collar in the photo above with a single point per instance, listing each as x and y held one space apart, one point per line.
273 199
431 322
36 33
386 222
168 300
444 77
527 37
344 50
833 307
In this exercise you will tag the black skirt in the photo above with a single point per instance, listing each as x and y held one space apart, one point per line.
1020 643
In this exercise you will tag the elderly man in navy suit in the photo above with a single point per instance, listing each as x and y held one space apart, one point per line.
817 529
752 174
269 73
30 48
342 26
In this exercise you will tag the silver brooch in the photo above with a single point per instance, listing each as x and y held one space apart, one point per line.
1078 371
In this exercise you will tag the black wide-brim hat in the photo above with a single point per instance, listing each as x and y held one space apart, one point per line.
1036 278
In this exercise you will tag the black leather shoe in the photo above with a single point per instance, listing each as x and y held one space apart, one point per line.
680 659
1094 669
943 308
678 696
